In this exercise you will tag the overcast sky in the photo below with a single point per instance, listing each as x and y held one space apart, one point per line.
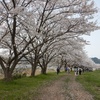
93 50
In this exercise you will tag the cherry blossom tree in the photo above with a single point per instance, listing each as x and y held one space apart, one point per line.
58 18
23 21
13 33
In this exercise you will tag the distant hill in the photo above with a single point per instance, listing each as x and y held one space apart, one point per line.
96 60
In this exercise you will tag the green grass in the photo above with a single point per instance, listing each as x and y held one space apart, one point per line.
25 88
91 82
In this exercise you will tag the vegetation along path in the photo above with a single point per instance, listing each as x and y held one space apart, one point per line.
66 88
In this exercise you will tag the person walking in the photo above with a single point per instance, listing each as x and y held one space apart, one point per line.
58 70
80 71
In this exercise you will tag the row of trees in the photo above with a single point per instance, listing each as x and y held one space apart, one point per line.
44 32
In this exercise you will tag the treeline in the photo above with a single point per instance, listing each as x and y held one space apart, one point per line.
44 33
96 60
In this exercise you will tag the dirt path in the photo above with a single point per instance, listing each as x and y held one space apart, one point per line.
66 88
75 91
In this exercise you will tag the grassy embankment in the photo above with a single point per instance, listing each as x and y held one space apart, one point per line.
25 88
91 82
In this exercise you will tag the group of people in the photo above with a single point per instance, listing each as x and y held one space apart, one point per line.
78 71
67 69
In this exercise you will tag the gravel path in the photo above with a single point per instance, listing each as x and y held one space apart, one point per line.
66 88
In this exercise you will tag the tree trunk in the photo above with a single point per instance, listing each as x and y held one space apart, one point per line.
43 70
7 74
34 66
33 71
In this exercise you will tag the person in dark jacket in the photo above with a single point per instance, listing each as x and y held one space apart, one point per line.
80 71
58 70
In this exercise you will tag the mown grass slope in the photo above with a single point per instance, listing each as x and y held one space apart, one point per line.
25 88
91 82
